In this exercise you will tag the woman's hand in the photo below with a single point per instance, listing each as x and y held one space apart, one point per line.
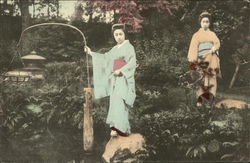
213 50
117 73
87 50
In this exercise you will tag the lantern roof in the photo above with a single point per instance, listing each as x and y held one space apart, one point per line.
17 73
33 56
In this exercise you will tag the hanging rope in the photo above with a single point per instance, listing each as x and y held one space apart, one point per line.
59 24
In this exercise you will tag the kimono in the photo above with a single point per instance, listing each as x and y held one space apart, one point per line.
121 89
202 60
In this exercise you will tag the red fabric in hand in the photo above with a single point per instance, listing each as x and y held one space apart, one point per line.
118 63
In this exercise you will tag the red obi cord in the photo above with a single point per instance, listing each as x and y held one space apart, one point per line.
118 131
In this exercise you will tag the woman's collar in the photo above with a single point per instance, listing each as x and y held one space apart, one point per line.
202 29
119 45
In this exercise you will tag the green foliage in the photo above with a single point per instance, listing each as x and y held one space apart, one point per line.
186 133
44 119
238 149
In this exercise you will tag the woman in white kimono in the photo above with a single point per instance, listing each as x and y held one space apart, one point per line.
113 75
203 57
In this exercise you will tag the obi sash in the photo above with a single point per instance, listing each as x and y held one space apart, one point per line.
118 63
204 48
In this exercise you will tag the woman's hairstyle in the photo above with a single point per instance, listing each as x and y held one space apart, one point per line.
205 15
119 26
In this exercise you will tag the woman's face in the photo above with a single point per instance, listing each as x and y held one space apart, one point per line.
119 36
205 23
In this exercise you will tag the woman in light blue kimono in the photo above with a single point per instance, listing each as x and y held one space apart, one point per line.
113 75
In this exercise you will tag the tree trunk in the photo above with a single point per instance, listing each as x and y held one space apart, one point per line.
24 6
116 17
48 12
5 3
234 75
57 8
90 16
34 8
3 6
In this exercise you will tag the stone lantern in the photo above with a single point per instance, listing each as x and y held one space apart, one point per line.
34 65
33 69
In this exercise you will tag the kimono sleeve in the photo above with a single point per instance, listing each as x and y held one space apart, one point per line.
101 72
193 49
216 42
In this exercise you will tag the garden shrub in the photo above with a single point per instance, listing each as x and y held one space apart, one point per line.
188 134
